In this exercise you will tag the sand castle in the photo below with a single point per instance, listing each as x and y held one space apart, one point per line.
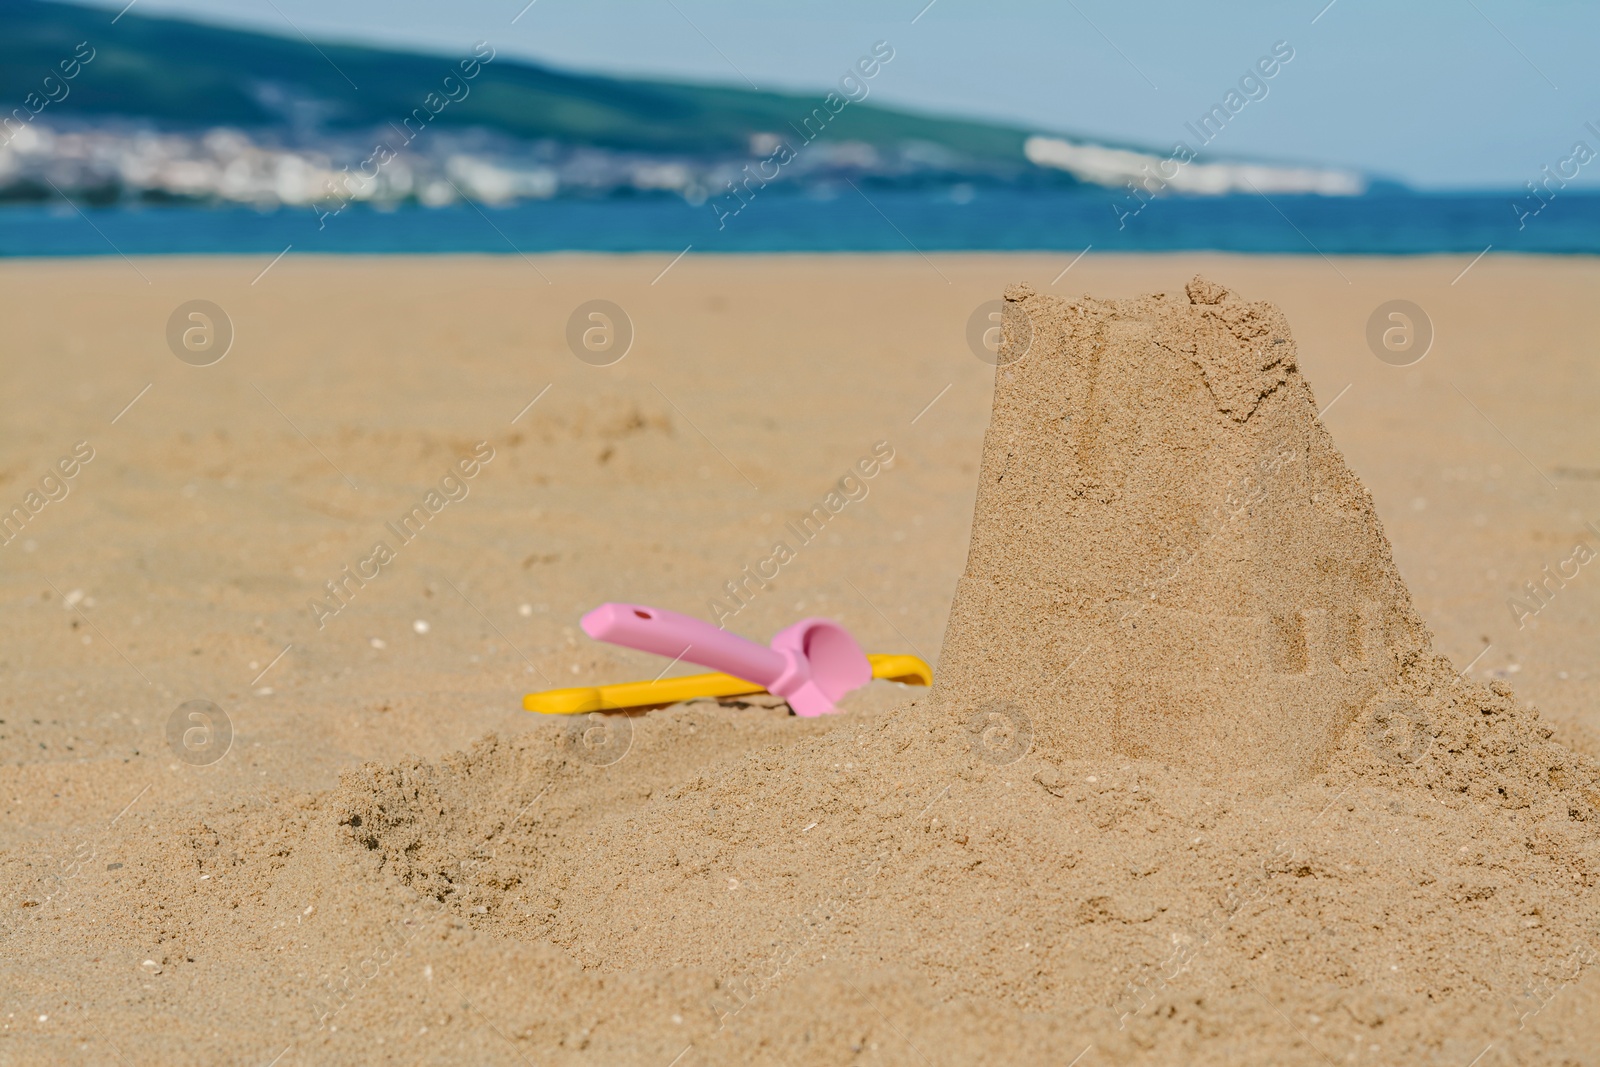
1170 559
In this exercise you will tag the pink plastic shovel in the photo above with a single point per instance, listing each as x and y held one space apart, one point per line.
810 664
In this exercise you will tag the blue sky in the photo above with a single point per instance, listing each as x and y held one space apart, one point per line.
1438 93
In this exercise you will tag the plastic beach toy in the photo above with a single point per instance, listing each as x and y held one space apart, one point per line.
625 696
810 664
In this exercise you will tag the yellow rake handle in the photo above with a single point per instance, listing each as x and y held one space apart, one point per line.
909 670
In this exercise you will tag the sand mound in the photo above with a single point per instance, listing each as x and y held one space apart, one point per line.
1174 580
1169 558
1037 907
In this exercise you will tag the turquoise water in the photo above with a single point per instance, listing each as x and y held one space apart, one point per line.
891 221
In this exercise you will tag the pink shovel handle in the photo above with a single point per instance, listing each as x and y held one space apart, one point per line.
667 633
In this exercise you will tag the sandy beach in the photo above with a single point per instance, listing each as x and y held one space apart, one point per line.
371 854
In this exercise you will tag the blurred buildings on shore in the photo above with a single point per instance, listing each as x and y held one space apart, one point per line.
108 164
121 163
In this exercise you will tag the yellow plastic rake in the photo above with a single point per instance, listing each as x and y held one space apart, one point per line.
909 670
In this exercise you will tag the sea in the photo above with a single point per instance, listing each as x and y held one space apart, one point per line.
852 219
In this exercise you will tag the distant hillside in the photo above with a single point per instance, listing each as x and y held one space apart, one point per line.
139 108
187 74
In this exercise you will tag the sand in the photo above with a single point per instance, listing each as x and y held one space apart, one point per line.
392 864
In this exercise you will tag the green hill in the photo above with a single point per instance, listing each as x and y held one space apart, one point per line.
187 74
